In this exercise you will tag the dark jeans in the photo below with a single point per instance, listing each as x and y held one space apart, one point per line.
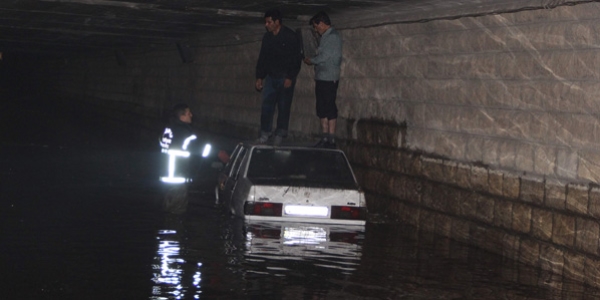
274 94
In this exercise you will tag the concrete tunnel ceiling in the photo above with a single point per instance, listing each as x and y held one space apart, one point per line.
74 27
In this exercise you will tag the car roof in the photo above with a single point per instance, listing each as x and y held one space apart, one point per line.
287 147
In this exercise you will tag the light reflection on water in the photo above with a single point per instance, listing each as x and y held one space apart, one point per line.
302 241
324 245
170 273
232 259
224 258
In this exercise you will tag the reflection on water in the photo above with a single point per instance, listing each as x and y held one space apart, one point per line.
299 261
232 259
327 246
173 278
206 255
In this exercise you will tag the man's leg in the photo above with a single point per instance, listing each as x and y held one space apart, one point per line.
324 126
331 126
269 98
320 95
332 113
284 107
325 136
331 133
326 92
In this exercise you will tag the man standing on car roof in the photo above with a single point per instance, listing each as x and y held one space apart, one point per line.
327 64
278 65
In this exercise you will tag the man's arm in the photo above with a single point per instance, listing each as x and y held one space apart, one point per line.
261 71
329 49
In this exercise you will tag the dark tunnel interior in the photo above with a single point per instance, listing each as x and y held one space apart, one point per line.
27 100
34 112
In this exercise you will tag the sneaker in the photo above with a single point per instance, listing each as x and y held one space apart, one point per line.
331 145
261 140
277 140
321 144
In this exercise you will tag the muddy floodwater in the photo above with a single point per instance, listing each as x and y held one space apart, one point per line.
80 218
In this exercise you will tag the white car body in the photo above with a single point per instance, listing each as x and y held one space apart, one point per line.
292 184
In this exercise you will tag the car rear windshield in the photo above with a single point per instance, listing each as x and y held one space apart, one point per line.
308 167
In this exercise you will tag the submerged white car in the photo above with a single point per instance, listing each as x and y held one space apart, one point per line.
294 184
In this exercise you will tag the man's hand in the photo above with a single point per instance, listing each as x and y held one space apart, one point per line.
258 85
287 83
307 61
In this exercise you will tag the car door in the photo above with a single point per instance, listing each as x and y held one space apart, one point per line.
231 181
225 173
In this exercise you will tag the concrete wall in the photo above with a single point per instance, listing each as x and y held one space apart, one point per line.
484 129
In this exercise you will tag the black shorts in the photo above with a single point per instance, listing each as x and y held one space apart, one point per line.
326 92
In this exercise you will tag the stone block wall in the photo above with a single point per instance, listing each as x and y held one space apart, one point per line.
488 133
541 221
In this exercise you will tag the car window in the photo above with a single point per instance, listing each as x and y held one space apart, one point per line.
300 165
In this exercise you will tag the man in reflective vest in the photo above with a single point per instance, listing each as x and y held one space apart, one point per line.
177 142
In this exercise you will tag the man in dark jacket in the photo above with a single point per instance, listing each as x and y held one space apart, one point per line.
278 65
177 143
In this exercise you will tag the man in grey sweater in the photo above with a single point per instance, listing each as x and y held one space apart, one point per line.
327 62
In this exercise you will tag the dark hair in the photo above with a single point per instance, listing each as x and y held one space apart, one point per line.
178 110
320 17
275 14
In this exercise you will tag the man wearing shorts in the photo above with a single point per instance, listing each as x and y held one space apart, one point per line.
327 62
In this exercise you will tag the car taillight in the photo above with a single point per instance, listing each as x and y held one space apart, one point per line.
345 237
263 209
348 212
266 233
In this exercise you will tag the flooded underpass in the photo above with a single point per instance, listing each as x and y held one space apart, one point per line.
81 218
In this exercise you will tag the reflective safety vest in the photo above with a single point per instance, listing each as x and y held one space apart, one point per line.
174 152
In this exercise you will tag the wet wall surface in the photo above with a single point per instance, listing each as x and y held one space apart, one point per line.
80 218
